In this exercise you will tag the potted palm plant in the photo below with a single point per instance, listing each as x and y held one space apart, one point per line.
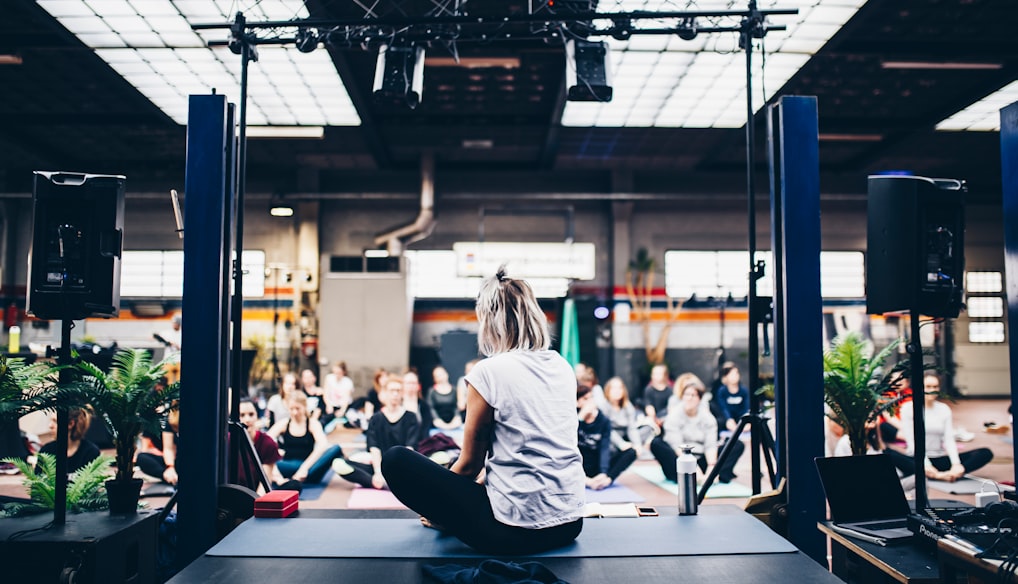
130 398
857 389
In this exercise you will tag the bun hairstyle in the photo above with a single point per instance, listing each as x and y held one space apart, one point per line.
510 318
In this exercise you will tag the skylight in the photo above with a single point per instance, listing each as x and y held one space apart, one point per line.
984 115
151 44
664 81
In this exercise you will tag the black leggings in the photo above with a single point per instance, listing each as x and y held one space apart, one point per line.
666 456
971 460
619 461
460 505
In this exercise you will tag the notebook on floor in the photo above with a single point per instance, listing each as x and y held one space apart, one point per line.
865 495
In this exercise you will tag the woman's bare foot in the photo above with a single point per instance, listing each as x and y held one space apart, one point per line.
428 523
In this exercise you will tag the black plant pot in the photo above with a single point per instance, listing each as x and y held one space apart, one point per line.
123 496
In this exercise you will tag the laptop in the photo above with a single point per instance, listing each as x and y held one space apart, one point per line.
865 495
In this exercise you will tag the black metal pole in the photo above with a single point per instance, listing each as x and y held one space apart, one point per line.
60 483
753 372
275 330
915 351
236 357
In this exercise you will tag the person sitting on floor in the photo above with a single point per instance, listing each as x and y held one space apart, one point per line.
162 464
307 453
393 426
630 428
277 410
689 424
338 395
265 448
79 450
943 461
601 464
654 400
520 430
443 402
731 397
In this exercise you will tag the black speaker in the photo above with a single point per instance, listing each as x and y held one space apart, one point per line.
915 245
77 240
91 548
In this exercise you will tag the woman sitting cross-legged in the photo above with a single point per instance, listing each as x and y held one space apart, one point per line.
601 462
520 428
307 453
393 426
689 424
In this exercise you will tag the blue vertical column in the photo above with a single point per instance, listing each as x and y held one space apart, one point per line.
796 233
1009 184
203 334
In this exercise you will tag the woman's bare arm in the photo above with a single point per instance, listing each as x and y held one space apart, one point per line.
480 420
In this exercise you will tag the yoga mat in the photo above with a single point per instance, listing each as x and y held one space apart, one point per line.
967 485
717 491
693 535
363 498
314 491
614 494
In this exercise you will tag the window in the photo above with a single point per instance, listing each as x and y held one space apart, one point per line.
160 274
719 273
432 274
985 306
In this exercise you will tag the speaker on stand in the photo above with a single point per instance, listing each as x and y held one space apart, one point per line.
915 245
915 262
77 240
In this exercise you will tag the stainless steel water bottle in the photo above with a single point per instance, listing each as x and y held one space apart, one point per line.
685 476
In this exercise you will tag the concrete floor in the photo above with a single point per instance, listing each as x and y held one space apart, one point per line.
970 414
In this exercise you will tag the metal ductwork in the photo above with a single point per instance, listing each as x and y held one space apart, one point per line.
395 239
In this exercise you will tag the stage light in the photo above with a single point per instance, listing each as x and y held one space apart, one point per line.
399 74
279 207
306 40
687 30
588 71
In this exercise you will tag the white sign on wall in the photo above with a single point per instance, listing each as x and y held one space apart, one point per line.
526 260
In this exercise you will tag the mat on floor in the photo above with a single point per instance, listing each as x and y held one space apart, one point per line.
614 494
312 492
363 498
718 490
695 535
967 485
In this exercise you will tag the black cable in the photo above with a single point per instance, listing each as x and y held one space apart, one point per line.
23 533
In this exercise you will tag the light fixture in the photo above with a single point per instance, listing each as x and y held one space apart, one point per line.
169 65
399 74
588 71
376 253
665 81
279 207
304 132
833 137
941 65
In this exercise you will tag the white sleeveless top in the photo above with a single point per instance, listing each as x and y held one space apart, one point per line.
534 473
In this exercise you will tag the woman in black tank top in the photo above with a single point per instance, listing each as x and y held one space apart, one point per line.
307 452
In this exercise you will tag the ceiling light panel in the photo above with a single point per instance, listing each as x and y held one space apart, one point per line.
150 43
705 78
984 115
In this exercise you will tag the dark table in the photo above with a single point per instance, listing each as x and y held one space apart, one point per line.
854 560
731 568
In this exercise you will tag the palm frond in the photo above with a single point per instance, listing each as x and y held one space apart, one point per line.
854 389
